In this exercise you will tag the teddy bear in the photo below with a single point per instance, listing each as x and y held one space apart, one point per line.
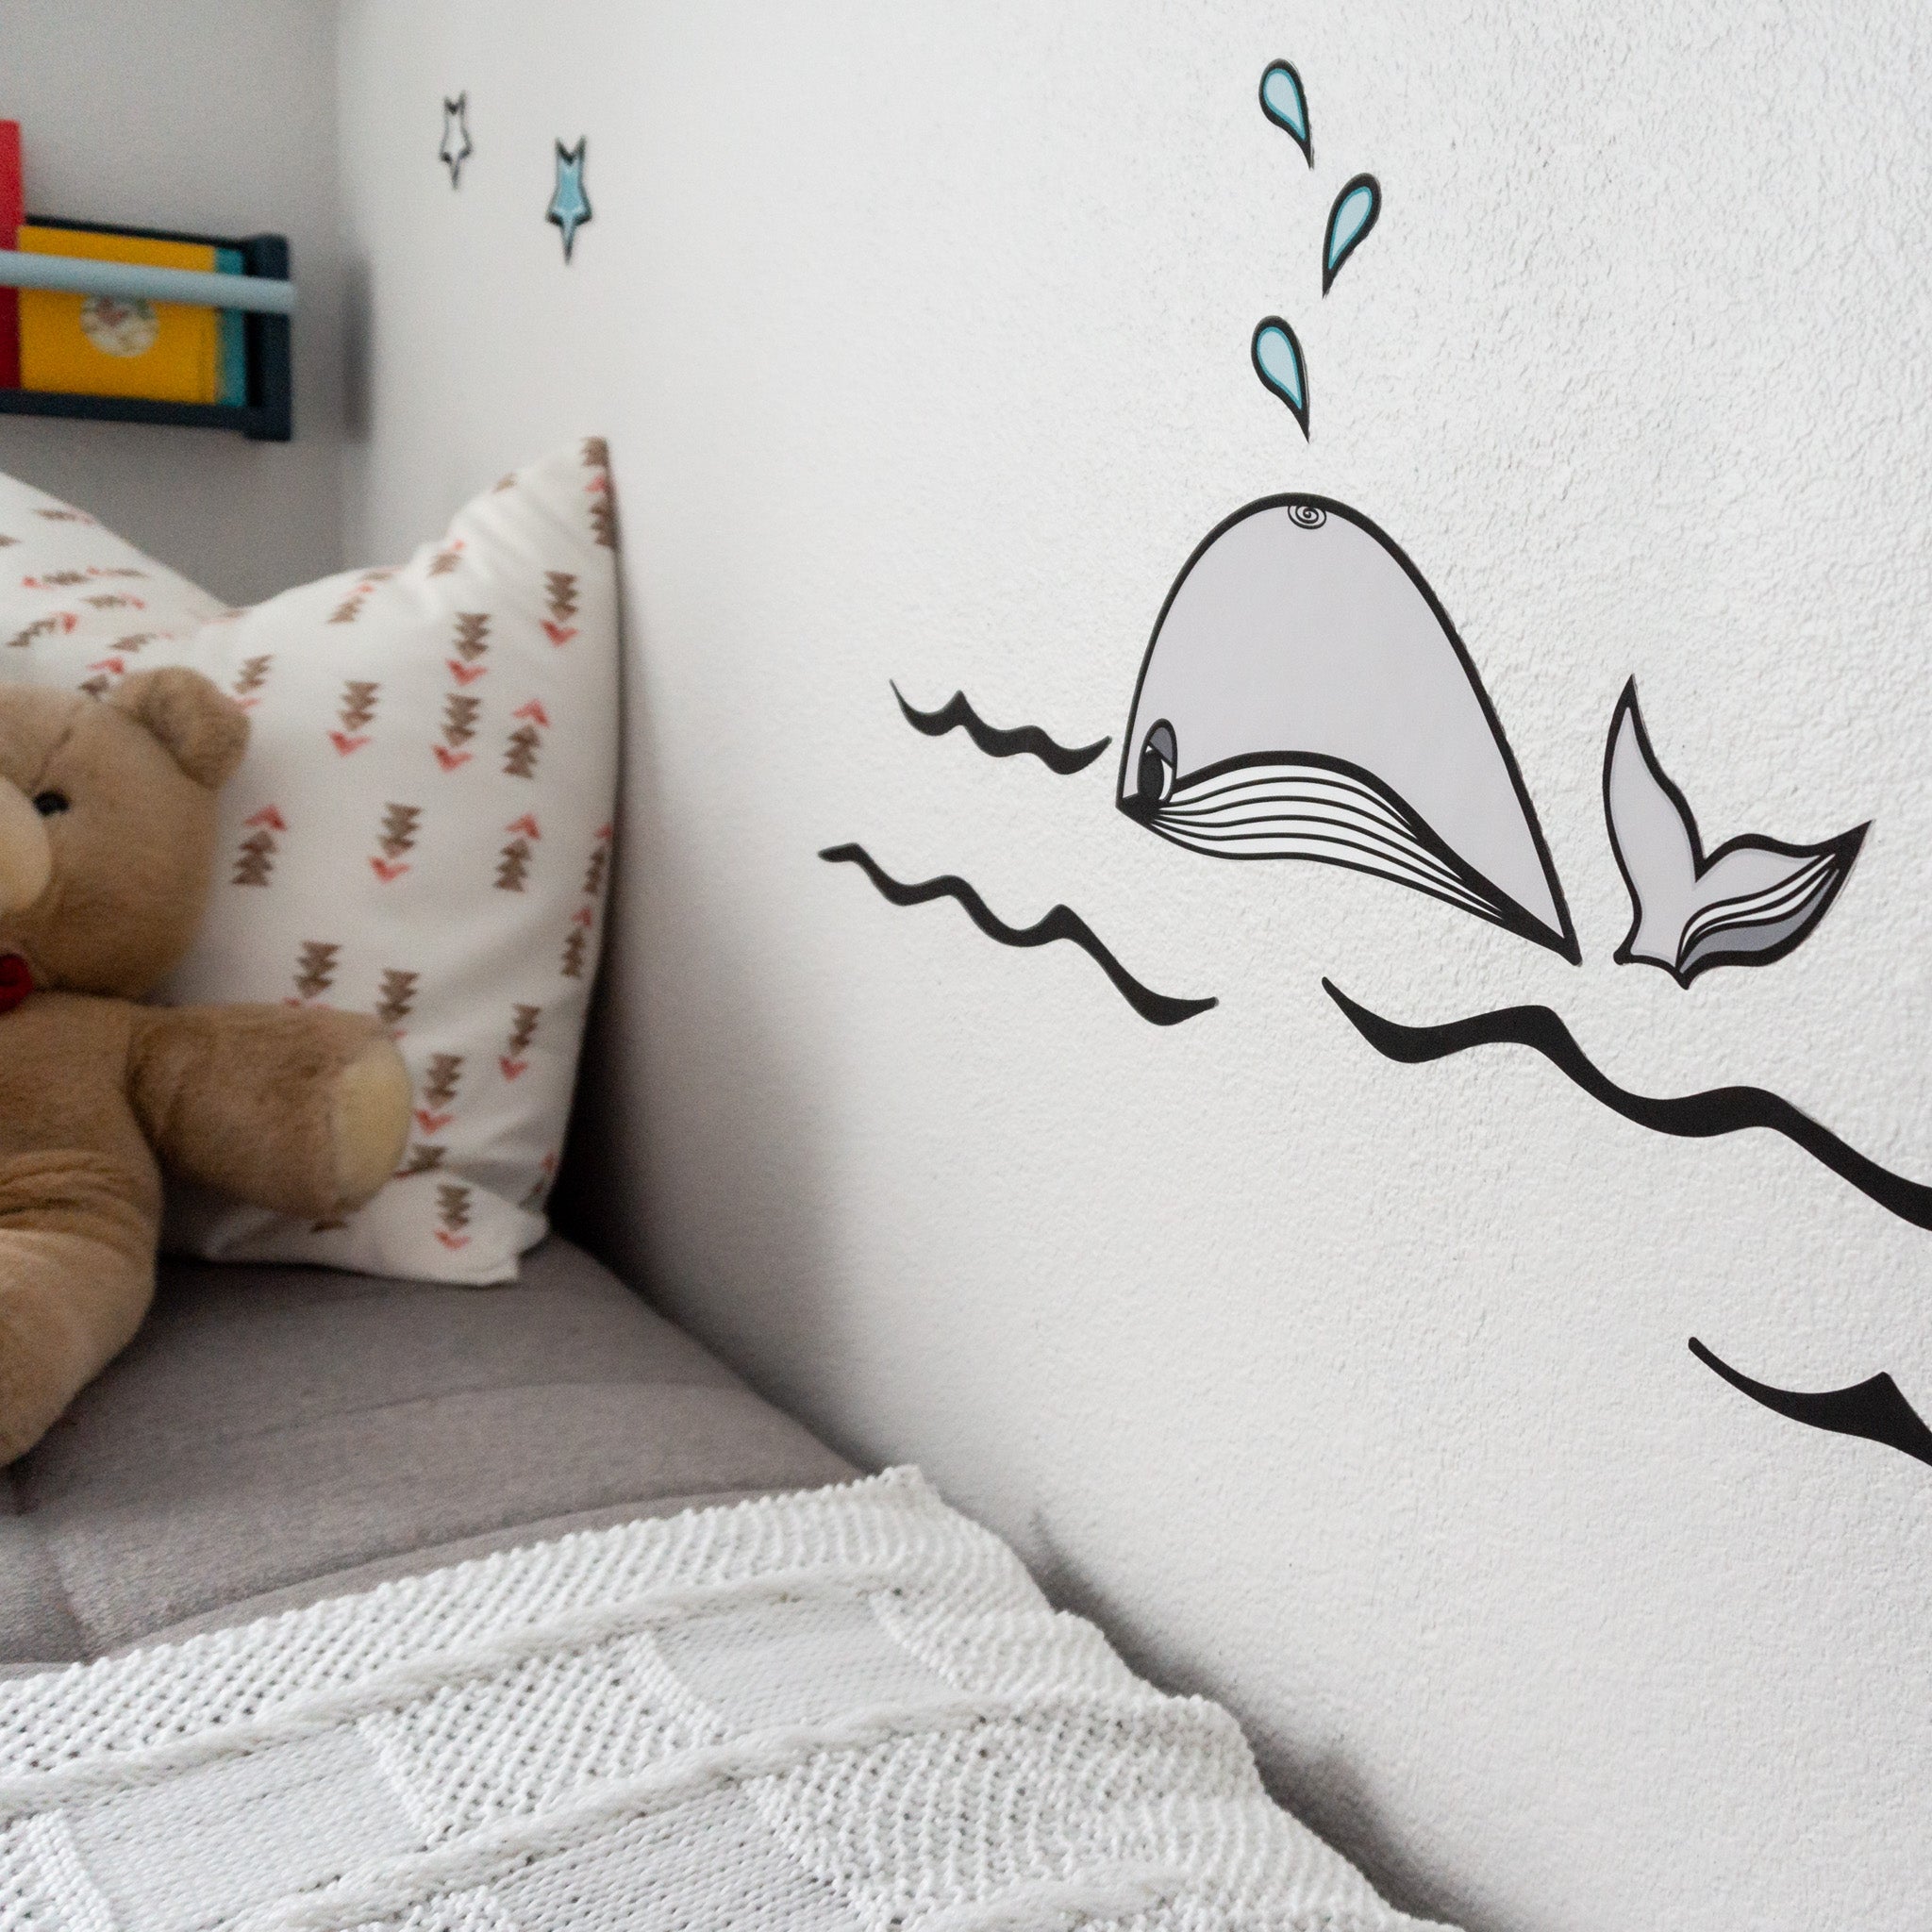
108 828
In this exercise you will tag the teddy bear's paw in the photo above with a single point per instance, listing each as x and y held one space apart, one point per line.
68 1305
370 1122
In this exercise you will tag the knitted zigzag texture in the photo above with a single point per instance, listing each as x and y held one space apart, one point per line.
849 1709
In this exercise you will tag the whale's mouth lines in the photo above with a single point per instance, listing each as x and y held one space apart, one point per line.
1310 806
1298 811
1876 1409
1028 740
1060 922
1689 1116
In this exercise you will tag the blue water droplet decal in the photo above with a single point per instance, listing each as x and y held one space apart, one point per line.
1278 363
1356 209
1286 105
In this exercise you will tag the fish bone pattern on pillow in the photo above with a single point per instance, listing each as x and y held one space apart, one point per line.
421 830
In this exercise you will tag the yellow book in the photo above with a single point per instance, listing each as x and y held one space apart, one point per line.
99 345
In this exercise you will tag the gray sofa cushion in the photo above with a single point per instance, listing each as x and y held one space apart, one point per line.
275 1435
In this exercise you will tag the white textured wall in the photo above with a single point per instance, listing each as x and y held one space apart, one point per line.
1352 1394
219 118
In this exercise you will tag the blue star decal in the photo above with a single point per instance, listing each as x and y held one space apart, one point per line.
570 207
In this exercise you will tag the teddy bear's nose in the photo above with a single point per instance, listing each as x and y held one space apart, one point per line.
27 853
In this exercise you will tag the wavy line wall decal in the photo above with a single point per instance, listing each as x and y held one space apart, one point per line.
1027 740
1876 1409
1690 1116
1061 922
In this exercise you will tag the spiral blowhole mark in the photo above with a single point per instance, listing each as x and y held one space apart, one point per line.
1308 515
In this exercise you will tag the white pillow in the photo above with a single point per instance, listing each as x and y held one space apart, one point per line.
421 830
71 589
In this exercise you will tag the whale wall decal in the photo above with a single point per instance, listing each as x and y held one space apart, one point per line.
1274 348
1750 903
1305 696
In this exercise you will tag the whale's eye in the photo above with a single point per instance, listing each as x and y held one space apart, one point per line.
1154 779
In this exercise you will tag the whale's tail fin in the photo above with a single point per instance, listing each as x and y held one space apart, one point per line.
1751 902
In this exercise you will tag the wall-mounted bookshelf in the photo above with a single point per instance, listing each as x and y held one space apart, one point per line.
268 415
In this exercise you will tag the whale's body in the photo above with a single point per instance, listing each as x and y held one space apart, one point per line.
1305 696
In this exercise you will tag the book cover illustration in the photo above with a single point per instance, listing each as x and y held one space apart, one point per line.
105 345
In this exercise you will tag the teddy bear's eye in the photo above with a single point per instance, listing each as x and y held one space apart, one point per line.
50 804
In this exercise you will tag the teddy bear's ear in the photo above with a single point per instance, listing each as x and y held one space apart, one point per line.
204 728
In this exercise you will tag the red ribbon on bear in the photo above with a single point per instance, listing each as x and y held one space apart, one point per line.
16 981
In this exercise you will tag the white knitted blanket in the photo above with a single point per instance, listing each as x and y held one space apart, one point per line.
849 1709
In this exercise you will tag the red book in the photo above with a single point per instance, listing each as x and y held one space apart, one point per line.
12 213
